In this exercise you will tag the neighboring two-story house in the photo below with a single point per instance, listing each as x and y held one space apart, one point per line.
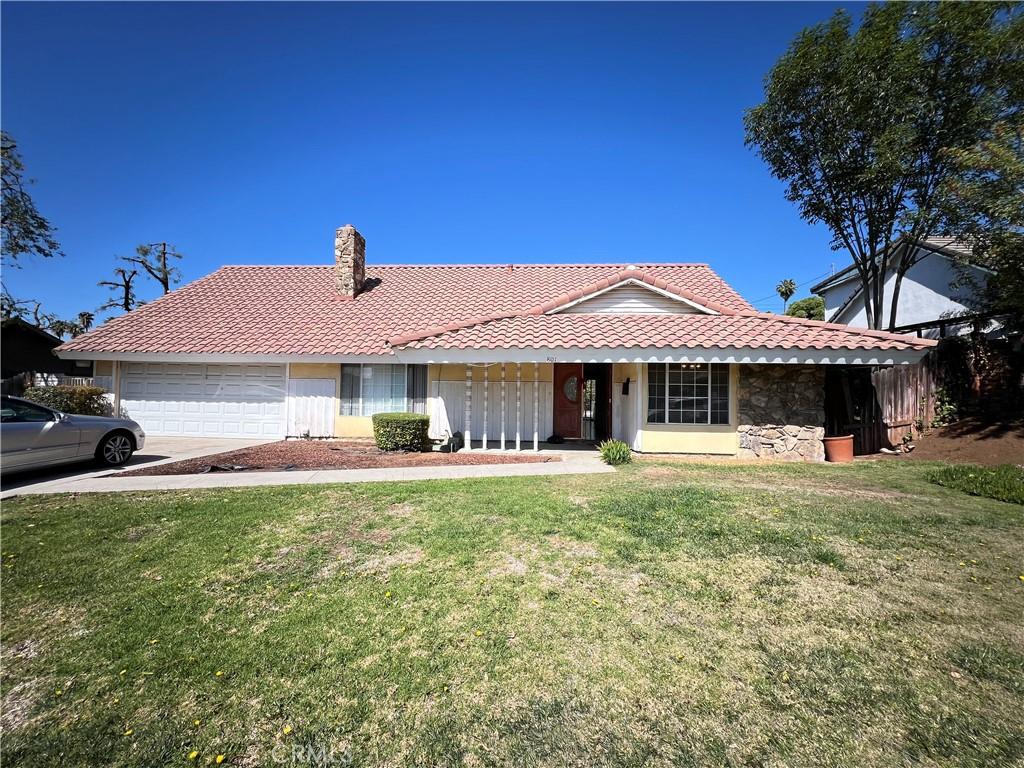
928 305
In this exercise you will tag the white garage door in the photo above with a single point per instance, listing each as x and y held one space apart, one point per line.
205 400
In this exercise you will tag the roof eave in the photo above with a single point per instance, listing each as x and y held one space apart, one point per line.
730 355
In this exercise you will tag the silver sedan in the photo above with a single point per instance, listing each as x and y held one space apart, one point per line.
32 436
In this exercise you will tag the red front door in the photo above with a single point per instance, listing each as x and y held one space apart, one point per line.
568 388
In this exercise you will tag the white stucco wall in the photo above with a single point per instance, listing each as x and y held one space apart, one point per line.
925 294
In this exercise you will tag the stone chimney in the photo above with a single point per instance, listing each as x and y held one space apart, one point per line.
349 261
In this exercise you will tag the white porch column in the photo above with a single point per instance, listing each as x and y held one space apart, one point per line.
115 385
503 404
536 402
469 408
639 401
519 400
486 387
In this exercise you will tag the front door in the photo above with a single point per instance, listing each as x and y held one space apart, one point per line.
568 399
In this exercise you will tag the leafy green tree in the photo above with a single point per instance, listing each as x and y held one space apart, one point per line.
985 202
122 289
812 308
861 123
785 289
25 231
155 260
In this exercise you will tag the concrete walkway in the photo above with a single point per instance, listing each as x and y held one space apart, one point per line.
572 463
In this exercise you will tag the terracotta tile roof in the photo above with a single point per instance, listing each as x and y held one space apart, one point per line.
740 329
296 311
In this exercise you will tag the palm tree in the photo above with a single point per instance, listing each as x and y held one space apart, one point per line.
786 289
62 328
85 321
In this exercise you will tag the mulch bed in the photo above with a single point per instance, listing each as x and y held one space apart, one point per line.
326 454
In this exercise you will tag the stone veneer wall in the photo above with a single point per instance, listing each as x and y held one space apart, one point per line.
782 411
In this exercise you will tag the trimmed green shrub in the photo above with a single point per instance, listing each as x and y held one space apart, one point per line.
86 401
615 452
1005 482
400 431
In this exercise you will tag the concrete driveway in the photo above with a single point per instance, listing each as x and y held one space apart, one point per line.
158 450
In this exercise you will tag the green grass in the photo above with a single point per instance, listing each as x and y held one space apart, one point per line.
668 614
1005 482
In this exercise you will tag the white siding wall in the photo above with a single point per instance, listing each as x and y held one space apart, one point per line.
447 406
624 410
631 300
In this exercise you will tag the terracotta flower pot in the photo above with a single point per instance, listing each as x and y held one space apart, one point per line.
839 448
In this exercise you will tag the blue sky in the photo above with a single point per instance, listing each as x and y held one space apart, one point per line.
244 133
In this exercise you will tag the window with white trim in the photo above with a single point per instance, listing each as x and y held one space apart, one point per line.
369 388
687 393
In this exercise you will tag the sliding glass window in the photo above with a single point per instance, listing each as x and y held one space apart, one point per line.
367 388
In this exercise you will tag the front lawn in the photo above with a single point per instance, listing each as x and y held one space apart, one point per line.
1004 482
669 614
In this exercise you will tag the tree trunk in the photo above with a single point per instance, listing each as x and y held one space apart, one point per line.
165 279
895 300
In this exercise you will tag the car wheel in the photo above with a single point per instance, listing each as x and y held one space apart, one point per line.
115 449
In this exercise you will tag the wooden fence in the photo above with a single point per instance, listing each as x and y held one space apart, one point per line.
906 398
880 406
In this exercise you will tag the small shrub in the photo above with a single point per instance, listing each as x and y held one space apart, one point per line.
615 452
945 408
1005 482
400 431
85 401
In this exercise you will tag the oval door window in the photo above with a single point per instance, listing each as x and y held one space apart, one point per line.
571 389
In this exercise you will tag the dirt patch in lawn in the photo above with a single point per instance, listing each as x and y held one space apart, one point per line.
326 454
18 702
972 441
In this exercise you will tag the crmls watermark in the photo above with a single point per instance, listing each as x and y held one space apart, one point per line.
315 755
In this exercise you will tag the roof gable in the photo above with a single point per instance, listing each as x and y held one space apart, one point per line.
633 292
950 248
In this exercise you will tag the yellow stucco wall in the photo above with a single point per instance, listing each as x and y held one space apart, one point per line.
623 371
719 439
353 426
103 368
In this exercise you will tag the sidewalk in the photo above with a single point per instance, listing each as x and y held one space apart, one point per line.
572 463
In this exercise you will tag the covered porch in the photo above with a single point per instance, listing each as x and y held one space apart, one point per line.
520 406
658 407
